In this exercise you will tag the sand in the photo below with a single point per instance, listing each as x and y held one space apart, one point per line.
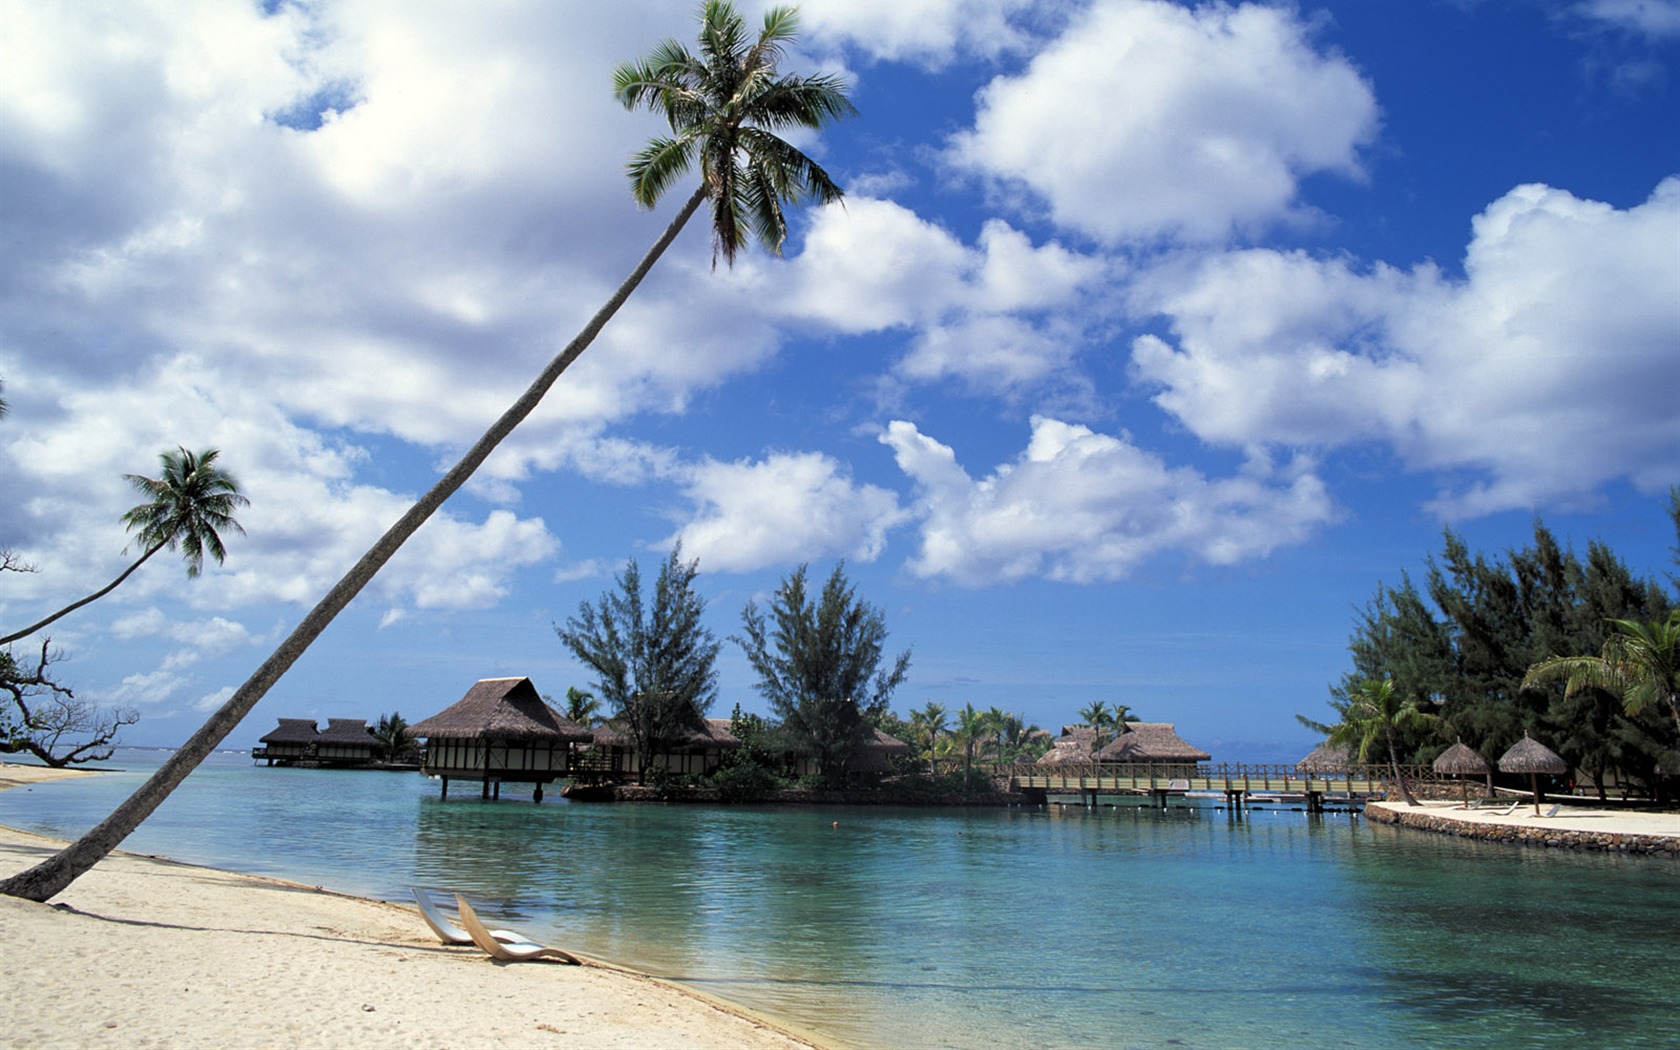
1569 818
144 952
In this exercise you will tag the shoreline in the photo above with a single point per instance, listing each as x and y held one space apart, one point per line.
145 950
1573 827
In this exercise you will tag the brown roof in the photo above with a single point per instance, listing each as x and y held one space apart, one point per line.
1324 758
1462 760
1066 752
346 731
292 731
714 733
501 709
1531 756
1151 742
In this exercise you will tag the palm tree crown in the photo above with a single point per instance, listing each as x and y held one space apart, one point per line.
1640 663
725 107
188 506
191 503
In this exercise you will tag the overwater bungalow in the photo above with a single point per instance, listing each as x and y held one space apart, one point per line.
1327 759
292 742
501 731
345 742
700 750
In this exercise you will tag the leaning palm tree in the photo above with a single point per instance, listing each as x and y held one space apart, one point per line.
1640 664
725 106
188 505
1373 714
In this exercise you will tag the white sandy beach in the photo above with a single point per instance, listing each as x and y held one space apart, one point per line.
1569 818
145 952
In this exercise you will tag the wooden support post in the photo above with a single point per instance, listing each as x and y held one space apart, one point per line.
1315 802
484 790
536 796
445 794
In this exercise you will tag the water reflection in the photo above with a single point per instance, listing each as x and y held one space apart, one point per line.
1058 927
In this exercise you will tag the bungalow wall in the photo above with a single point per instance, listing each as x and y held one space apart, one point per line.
475 758
623 760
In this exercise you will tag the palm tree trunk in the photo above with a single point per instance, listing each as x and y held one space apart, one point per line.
1394 765
51 876
95 596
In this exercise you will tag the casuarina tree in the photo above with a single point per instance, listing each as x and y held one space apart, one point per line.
726 105
820 665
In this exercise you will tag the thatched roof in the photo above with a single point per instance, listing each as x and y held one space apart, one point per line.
1065 752
346 731
501 709
1461 760
1151 742
1083 736
712 733
877 753
1324 758
1530 756
292 731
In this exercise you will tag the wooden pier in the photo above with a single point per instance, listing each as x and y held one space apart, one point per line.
1240 783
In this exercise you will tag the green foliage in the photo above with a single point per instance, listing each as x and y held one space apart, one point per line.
1465 645
819 664
582 707
395 743
726 106
654 664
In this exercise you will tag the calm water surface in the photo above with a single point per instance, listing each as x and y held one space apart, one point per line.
986 928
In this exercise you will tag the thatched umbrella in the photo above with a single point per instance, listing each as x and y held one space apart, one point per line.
1532 757
1461 760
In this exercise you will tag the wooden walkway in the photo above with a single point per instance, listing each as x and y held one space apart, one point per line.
1239 783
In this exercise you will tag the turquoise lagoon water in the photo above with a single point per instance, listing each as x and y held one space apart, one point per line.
1059 927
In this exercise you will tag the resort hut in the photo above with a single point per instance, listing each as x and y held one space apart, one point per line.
500 731
877 753
697 751
1155 743
1327 759
1532 757
1461 760
1076 745
293 741
345 742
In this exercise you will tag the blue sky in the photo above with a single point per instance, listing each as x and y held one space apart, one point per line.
1151 337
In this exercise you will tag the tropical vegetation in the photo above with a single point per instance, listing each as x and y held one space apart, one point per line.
188 506
1492 646
655 664
727 108
822 666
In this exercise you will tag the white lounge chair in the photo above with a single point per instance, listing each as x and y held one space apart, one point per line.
510 951
446 930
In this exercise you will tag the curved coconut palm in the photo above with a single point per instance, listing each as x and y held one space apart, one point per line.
189 505
1640 663
1375 713
725 108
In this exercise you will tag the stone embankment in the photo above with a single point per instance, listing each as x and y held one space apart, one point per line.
1527 832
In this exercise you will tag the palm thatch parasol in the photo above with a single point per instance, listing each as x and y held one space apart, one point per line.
1532 757
1461 760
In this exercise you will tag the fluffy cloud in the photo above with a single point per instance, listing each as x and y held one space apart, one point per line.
1083 507
1210 116
789 507
1564 319
930 31
998 317
1659 19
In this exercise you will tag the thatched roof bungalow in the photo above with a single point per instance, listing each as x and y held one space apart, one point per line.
1075 745
1152 742
292 741
1327 759
345 741
697 752
502 730
875 757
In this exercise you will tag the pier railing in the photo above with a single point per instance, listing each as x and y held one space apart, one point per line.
1175 777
